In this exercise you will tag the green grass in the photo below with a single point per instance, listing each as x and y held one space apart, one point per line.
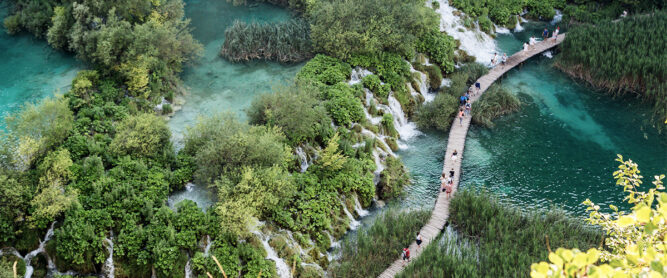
372 250
499 240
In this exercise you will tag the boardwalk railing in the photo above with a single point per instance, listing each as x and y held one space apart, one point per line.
456 141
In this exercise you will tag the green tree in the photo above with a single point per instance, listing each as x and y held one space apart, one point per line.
143 135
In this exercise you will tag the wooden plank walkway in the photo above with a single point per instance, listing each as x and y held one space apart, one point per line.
456 141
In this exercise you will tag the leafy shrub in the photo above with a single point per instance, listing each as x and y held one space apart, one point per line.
144 135
474 71
438 113
166 109
485 24
439 47
435 5
296 110
458 85
324 69
387 125
392 179
343 107
344 28
434 76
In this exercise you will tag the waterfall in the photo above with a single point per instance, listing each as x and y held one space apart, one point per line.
303 158
423 85
557 18
547 54
335 248
29 269
358 208
474 42
501 30
405 129
109 268
209 243
518 27
188 268
354 224
358 74
282 268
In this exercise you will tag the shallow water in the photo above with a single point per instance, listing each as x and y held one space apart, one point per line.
215 85
30 70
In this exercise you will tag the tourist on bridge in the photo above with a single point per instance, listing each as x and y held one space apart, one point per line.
406 255
555 36
468 107
419 240
451 173
478 87
461 116
449 189
504 59
545 34
525 46
454 156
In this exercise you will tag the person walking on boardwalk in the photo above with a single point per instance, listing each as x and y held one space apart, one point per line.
449 188
406 255
454 155
468 107
525 47
504 59
461 116
478 87
555 36
451 173
419 240
545 34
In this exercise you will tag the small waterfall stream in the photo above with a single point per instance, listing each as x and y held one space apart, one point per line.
282 268
354 224
188 268
109 268
358 208
304 160
207 248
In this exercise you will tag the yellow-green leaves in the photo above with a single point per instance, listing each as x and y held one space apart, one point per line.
634 246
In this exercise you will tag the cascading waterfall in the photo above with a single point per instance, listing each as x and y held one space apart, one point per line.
474 42
303 158
207 248
358 208
354 224
335 248
358 74
109 268
282 268
518 27
557 18
188 268
29 269
423 85
405 129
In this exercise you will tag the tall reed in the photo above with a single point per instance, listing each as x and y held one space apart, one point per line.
284 42
499 240
495 102
371 250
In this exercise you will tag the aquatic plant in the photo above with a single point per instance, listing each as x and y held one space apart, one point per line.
500 240
438 113
623 57
495 102
378 246
286 42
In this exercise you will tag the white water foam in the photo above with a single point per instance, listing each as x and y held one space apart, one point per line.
188 268
29 269
207 248
501 30
358 74
518 27
358 208
474 42
303 159
557 18
109 268
406 129
282 268
354 224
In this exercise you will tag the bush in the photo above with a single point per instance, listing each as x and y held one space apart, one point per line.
324 69
495 102
474 71
377 247
435 5
344 28
284 42
392 179
373 83
438 113
434 76
143 135
296 110
12 24
343 107
387 125
439 47
166 109
458 85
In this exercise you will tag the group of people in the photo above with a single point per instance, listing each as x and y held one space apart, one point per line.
406 250
545 36
494 60
464 103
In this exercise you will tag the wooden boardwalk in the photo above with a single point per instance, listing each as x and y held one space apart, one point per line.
456 141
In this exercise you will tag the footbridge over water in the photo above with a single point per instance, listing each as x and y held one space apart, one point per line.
456 141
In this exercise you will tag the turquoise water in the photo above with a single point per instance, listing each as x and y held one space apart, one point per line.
559 149
215 85
30 70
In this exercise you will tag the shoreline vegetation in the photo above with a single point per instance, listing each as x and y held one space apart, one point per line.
285 42
624 57
490 238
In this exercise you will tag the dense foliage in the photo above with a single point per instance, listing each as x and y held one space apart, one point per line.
439 47
622 57
497 240
344 28
378 246
284 42
495 102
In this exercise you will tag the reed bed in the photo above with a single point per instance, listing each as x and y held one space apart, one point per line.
286 42
498 240
624 56
371 250
495 102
